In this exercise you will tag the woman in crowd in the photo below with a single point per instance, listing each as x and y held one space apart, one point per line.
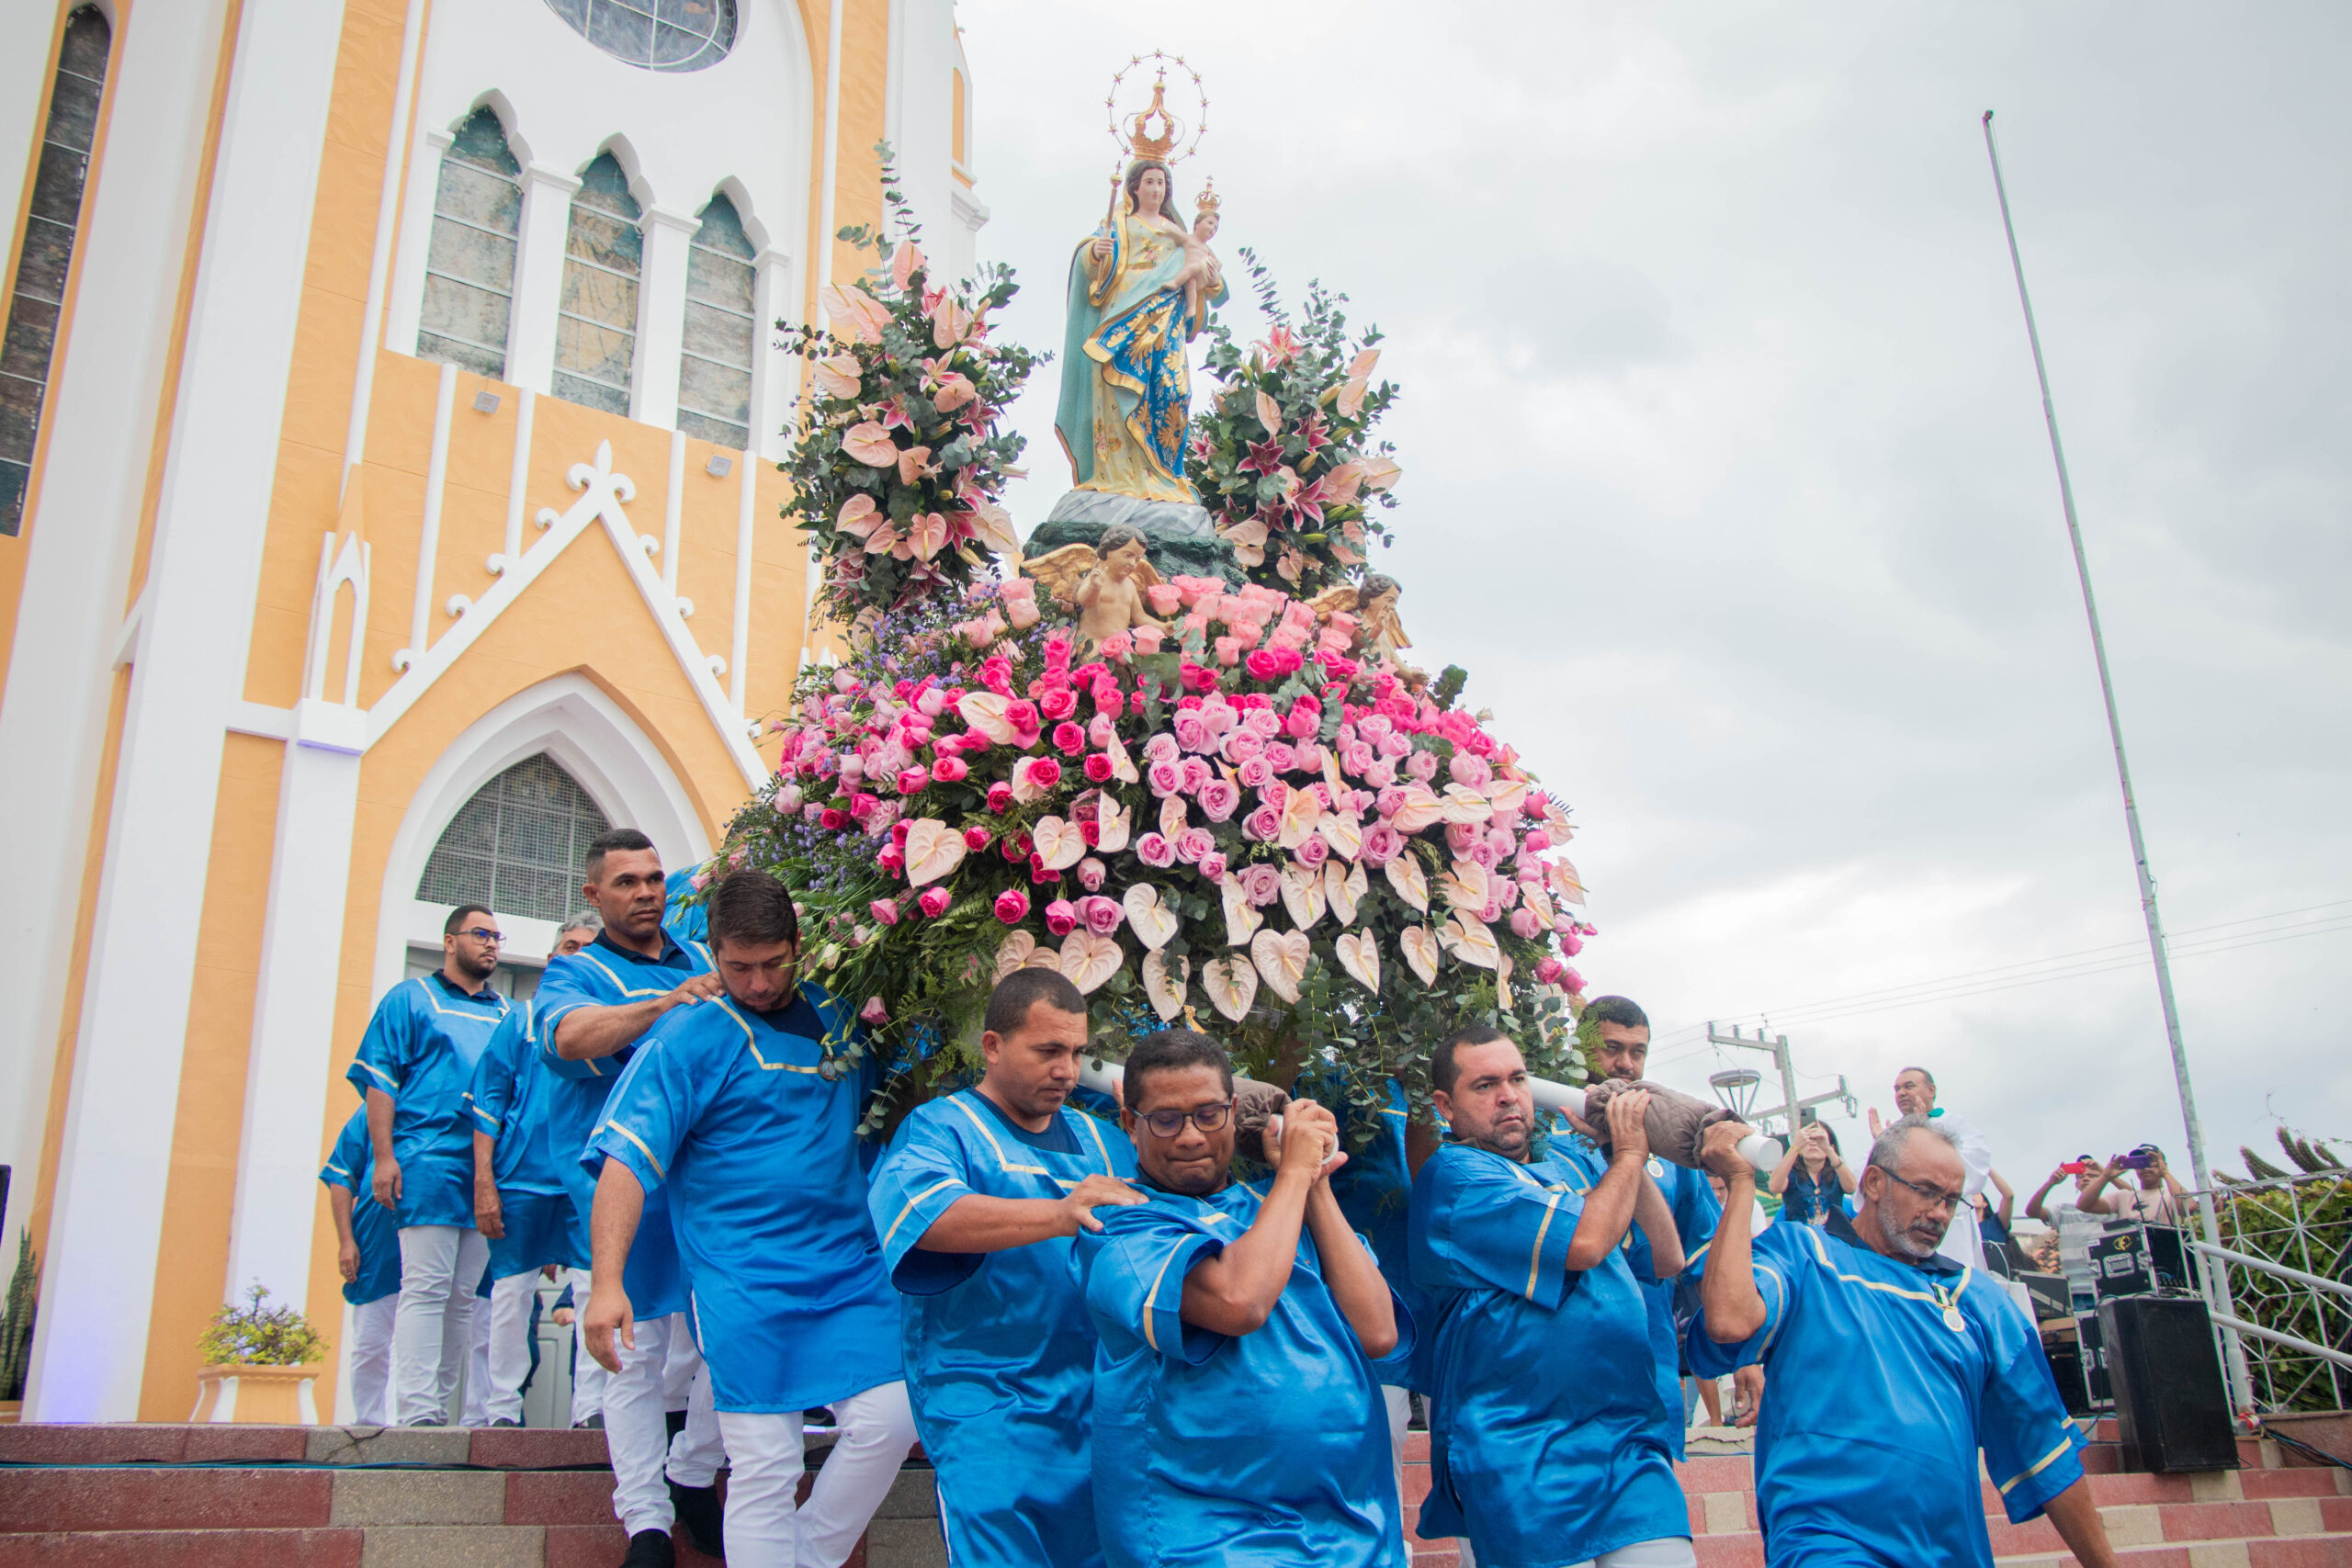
1812 1180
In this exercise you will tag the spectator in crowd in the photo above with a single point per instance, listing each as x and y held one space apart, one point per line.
578 933
1915 1095
415 1066
369 1256
1812 1178
1237 1417
1993 1224
2159 1200
1894 1368
2075 1223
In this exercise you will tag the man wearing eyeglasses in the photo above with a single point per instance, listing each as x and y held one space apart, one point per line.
979 1205
1890 1367
1236 1414
415 1066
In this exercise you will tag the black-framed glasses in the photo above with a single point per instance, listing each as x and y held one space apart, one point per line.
480 933
1936 1196
1169 1123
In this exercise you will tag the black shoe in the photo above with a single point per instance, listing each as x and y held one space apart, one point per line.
429 1421
676 1420
699 1508
503 1421
817 1420
650 1549
590 1424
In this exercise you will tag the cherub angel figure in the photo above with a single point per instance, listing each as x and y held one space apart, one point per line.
1106 589
1372 601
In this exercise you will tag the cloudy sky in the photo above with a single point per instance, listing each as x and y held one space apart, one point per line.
1726 478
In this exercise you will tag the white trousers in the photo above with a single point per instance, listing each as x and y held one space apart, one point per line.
440 1270
510 1346
371 1359
1674 1552
636 1431
588 1374
764 1528
478 1360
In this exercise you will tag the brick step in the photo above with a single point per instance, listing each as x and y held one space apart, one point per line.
504 1448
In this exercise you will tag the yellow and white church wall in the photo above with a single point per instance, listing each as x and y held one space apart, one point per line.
287 593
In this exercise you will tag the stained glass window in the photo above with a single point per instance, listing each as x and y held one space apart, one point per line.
51 224
715 375
519 845
659 35
470 264
596 329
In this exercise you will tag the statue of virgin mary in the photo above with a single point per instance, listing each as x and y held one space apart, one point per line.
1140 289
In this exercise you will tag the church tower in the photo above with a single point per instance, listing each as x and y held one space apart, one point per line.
388 417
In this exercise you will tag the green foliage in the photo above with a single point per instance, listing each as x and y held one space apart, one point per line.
259 1336
1294 496
908 365
16 1321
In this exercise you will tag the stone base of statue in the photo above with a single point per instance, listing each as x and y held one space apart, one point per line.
1180 538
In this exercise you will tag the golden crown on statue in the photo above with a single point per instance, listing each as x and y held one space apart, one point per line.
1154 134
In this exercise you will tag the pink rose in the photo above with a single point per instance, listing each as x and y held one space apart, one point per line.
1313 852
1571 981
1464 839
1000 796
1116 647
1256 774
1421 765
1090 873
1262 665
1549 969
892 858
1061 916
1219 798
1193 844
1099 769
1068 739
1263 825
1469 771
1165 778
1191 733
860 805
1281 758
1264 720
934 901
1303 720
1261 884
1274 796
1024 716
1057 704
978 837
885 911
1213 866
950 770
1524 924
911 780
1011 906
1242 744
1357 759
1044 772
1160 747
1155 851
1041 873
1537 840
1382 844
1381 775
1195 773
832 820
1102 915
874 1012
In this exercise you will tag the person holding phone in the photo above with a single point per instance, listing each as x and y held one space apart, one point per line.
2076 1223
2157 1200
1813 1177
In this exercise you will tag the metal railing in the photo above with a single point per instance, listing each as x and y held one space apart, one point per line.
2280 1282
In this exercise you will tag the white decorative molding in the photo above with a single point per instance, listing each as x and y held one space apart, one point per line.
518 480
740 634
126 641
336 568
428 538
674 507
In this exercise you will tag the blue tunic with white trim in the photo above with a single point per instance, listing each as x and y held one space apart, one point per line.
1262 1449
754 1135
509 1100
604 974
1549 1441
352 1165
1876 1406
420 1049
997 1347
1374 1191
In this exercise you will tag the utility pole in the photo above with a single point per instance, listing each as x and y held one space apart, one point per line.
2242 1385
1777 1047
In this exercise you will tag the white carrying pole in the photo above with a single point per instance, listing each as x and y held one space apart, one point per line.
2242 1391
1763 1153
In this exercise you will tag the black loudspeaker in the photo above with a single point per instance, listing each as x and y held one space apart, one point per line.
2170 1407
2098 1394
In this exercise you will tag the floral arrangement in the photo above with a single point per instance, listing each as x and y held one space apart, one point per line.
1283 457
899 466
1259 825
258 1335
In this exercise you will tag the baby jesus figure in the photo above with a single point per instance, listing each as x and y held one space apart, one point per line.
1105 586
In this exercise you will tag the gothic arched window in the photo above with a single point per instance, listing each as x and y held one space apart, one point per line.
595 332
470 264
519 845
715 373
659 35
52 223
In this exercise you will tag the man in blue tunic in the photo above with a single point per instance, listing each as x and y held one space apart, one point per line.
593 1008
1550 1440
736 1108
368 1255
1237 1419
414 1066
1890 1367
520 1202
977 1205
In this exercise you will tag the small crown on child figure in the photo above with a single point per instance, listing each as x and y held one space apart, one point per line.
1210 201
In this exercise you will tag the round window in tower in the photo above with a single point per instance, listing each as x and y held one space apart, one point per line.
656 35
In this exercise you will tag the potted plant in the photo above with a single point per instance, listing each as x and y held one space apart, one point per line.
260 1365
17 1329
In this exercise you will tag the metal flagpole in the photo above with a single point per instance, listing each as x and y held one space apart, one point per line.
2242 1380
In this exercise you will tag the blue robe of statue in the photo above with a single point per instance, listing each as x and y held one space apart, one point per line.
1549 1443
606 975
997 1347
1883 1379
352 1165
510 1096
738 1117
420 1049
1265 1450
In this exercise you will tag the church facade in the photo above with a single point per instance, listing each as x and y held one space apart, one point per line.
388 420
